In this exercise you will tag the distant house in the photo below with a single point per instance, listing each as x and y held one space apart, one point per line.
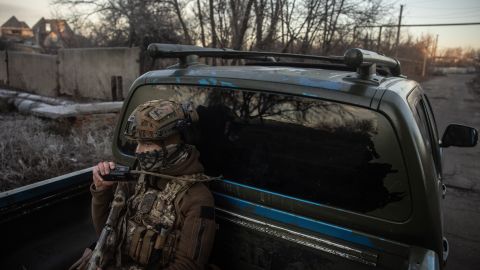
15 30
52 34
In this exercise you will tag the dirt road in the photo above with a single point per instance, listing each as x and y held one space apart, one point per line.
453 101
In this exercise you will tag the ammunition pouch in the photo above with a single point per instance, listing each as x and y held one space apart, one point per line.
143 243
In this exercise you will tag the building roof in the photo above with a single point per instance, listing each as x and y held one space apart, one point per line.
50 21
13 22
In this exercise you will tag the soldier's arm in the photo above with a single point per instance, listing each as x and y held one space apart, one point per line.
198 230
102 194
101 200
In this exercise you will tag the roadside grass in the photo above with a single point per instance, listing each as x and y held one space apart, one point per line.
34 149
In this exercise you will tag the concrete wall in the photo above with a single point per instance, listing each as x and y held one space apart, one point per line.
88 72
454 70
36 73
3 68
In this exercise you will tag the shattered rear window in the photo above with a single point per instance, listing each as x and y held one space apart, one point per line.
320 151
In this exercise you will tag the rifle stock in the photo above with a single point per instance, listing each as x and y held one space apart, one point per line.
107 238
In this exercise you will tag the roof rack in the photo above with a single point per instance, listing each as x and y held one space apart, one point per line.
366 61
362 60
160 50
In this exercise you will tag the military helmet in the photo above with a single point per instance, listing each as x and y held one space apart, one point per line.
159 119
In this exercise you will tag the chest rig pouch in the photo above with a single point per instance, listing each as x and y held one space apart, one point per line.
150 220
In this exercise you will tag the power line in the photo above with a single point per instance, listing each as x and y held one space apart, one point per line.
434 20
456 15
443 8
449 13
419 25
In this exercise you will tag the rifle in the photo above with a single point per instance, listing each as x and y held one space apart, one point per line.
107 238
123 174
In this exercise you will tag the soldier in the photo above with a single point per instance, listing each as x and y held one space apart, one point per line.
167 223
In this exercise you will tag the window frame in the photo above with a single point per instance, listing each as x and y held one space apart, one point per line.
423 114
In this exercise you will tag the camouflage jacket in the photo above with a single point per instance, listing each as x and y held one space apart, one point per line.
194 225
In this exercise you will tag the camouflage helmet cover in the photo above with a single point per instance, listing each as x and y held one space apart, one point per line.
159 119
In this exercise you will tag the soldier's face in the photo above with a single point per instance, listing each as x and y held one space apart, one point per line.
146 146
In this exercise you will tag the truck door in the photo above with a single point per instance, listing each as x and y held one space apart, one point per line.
425 118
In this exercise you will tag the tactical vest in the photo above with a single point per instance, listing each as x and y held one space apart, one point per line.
148 228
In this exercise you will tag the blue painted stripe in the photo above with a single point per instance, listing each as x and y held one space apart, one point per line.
319 83
273 193
295 220
203 82
432 260
227 84
214 82
309 94
44 188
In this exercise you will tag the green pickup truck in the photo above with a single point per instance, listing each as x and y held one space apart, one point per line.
327 163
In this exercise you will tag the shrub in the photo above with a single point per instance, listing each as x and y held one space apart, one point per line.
34 149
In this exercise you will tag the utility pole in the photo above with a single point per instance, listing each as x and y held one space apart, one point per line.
434 51
425 55
398 30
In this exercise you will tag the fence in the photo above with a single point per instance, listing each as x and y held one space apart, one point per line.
100 73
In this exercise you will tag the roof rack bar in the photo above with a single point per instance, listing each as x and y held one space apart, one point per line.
161 50
363 61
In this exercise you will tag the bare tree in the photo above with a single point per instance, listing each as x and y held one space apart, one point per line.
179 11
331 22
125 22
287 25
291 23
202 27
240 15
313 23
266 10
212 23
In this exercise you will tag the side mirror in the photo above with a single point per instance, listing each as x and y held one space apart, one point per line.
459 135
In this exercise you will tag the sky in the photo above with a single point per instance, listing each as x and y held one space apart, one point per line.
29 11
443 11
415 12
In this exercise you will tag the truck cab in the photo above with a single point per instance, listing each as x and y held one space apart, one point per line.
334 164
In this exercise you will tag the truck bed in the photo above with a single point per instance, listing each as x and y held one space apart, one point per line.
47 225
